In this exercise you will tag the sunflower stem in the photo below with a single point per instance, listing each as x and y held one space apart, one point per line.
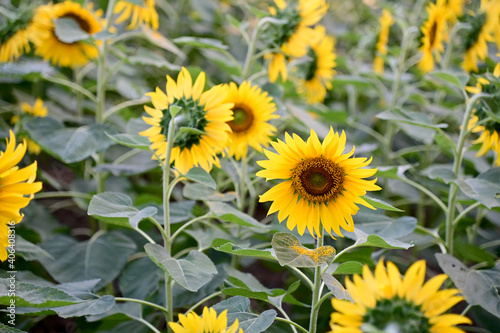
459 152
317 287
134 300
166 212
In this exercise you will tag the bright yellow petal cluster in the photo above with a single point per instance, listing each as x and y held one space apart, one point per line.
370 289
38 110
455 8
321 187
145 14
321 69
17 187
478 49
58 52
385 22
203 148
310 13
252 111
208 323
435 31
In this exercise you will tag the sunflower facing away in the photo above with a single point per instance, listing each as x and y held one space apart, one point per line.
292 39
321 185
435 31
490 130
319 71
483 26
385 22
387 302
252 111
36 110
206 112
17 187
16 35
208 323
145 14
67 54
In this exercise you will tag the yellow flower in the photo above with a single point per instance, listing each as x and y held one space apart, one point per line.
387 302
67 54
37 110
16 35
252 111
208 323
455 8
319 71
321 185
434 32
17 187
385 22
292 38
206 112
145 14
483 26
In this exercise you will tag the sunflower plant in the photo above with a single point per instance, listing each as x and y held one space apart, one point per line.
244 167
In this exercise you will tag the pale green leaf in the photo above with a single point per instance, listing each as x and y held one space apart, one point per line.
290 252
68 30
377 203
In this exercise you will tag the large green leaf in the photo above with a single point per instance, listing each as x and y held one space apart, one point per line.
140 279
338 291
239 308
479 287
131 140
119 311
192 272
117 208
290 252
457 79
247 252
227 213
377 203
28 250
102 257
481 190
202 192
9 329
68 30
412 118
85 308
202 43
29 294
199 175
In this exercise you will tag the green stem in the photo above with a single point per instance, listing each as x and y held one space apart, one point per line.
324 298
166 212
124 105
134 300
71 85
243 183
45 195
187 224
439 240
285 315
459 152
209 297
302 329
145 322
77 78
303 276
426 191
160 228
317 286
464 212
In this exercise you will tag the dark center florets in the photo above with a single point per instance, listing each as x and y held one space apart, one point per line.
243 119
318 179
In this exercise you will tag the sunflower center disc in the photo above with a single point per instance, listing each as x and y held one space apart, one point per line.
242 121
318 179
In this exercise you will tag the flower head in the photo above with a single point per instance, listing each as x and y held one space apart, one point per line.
210 322
252 111
145 14
319 70
387 302
385 22
205 112
435 31
17 187
321 185
16 34
292 39
67 54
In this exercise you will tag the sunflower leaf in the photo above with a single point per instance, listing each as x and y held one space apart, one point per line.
130 140
69 31
227 213
9 329
377 203
85 308
290 252
199 175
202 43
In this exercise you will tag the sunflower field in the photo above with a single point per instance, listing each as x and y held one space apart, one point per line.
247 166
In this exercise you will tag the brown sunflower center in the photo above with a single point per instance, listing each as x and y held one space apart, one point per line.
432 34
318 179
243 119
84 25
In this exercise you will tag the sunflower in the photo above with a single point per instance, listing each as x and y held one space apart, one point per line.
145 14
37 110
15 36
78 53
17 187
455 8
483 26
208 323
207 112
385 22
387 302
322 185
292 39
434 32
252 110
318 72
489 139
